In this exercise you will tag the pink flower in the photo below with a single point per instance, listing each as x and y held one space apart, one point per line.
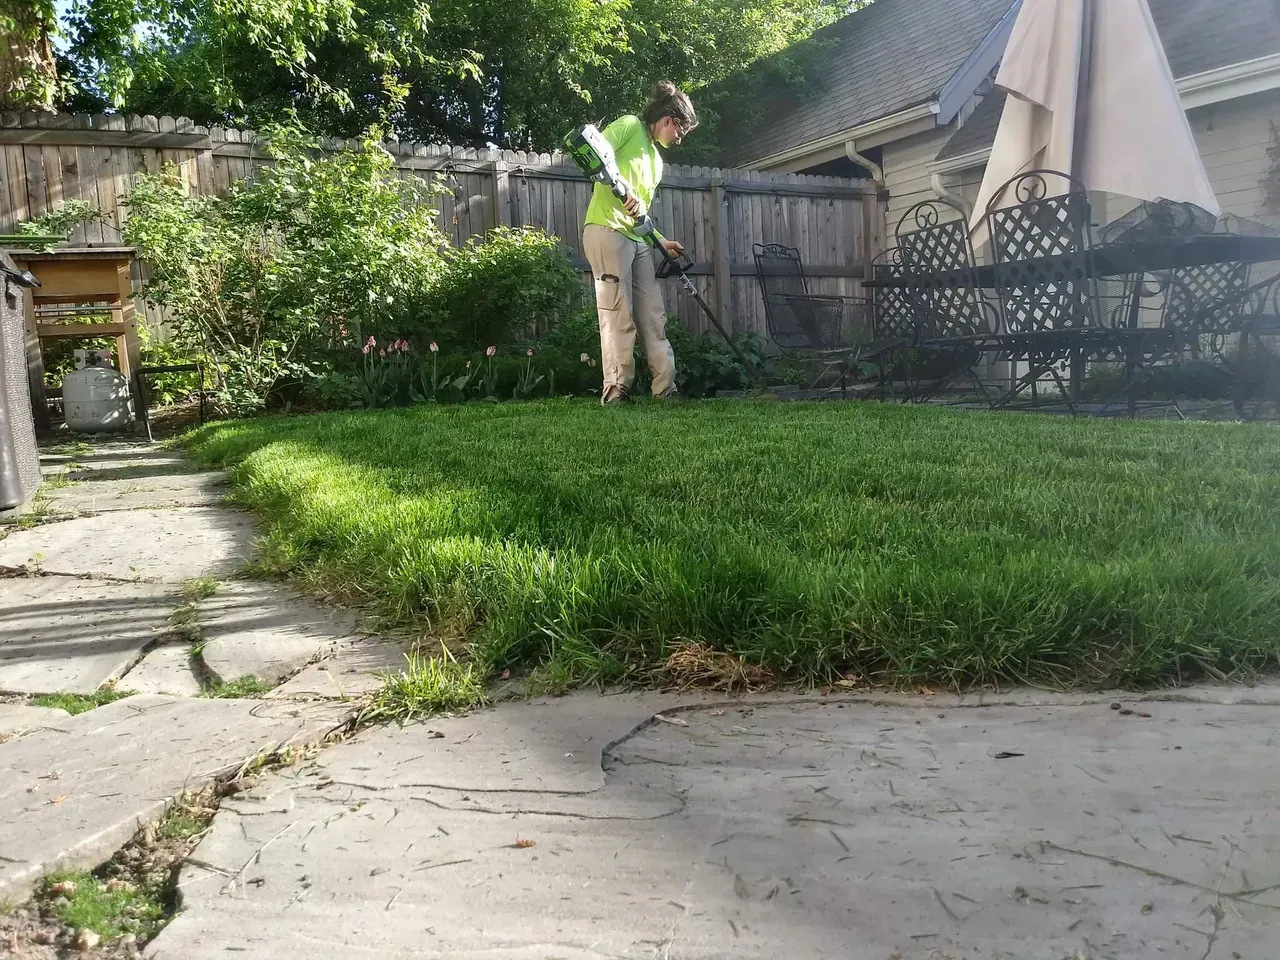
345 332
382 353
490 351
584 358
403 345
529 352
373 342
435 347
366 349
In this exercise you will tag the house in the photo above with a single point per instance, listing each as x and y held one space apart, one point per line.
908 100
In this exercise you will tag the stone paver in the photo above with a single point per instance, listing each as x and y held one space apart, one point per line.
165 669
165 545
758 830
68 635
18 718
73 795
103 496
264 630
354 669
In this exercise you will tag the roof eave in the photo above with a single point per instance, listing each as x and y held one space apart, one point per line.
1231 82
969 76
872 128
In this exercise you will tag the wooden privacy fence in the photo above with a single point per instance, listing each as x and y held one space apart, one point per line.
837 224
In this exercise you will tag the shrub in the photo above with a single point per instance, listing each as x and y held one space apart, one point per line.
299 266
510 285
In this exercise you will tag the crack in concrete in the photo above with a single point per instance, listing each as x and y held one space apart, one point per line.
30 573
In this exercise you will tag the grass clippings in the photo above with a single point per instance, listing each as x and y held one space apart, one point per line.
698 665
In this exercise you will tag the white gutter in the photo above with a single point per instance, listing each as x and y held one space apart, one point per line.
1230 82
1197 90
860 132
964 161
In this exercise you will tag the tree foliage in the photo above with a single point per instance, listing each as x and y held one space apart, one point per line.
517 73
28 75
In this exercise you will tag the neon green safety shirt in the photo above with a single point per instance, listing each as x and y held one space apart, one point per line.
640 164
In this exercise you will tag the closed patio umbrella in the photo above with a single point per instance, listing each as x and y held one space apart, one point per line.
1090 93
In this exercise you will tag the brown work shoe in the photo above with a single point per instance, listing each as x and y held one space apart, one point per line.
615 394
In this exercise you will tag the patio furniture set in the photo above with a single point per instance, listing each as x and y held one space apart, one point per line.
1054 295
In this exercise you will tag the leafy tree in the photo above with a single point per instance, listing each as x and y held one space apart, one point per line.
28 74
517 73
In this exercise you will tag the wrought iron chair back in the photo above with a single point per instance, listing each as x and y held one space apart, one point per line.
1207 299
797 319
1040 250
935 243
781 275
893 308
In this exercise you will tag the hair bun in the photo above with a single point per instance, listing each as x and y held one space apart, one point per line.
664 88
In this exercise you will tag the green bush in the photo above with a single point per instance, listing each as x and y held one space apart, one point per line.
290 273
508 286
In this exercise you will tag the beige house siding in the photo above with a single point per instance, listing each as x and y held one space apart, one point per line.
1234 137
906 175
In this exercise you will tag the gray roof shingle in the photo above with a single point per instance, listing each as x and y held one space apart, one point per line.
887 57
1198 35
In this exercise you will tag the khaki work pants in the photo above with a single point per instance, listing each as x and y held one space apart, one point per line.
628 297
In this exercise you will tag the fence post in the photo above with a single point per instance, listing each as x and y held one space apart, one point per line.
501 193
722 295
872 227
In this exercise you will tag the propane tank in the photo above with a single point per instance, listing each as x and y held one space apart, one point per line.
95 399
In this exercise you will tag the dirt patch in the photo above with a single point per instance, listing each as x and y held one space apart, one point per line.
115 910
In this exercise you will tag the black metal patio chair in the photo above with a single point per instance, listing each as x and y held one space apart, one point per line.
1202 309
953 320
1049 300
837 332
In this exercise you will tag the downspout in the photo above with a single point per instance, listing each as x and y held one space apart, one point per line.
877 175
946 193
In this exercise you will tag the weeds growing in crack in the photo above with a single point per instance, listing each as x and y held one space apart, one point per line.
75 703
126 901
243 687
427 685
196 589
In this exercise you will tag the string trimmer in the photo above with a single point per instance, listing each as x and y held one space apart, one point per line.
594 157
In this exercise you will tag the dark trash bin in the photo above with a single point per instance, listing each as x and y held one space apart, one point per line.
19 458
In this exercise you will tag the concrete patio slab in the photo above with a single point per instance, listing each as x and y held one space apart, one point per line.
74 794
758 830
354 669
264 630
160 493
165 669
162 545
19 718
69 635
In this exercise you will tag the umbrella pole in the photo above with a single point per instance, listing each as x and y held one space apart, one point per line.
1087 15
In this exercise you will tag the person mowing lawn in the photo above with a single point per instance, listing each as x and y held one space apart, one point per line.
627 291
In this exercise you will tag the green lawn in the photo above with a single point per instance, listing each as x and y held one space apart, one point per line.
904 543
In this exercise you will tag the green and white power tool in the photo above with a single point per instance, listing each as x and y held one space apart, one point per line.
594 157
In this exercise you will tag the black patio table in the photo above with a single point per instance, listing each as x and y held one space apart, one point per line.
1102 261
1112 260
